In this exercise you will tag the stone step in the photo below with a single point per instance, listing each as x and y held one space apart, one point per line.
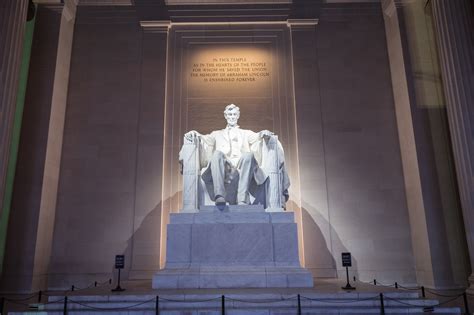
74 304
257 296
243 304
249 311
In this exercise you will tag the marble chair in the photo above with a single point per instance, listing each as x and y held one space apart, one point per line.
271 195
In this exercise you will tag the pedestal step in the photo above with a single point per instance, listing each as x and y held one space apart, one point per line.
233 277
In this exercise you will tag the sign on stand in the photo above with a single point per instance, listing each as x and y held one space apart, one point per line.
119 265
347 262
119 261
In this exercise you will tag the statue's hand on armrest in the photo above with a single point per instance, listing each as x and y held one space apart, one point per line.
266 134
191 135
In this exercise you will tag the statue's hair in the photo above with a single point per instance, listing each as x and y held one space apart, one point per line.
230 107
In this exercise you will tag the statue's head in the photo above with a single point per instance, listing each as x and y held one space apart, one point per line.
232 114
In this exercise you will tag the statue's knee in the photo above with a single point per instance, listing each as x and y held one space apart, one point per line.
217 155
247 156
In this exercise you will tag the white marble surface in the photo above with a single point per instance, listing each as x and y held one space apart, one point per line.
231 217
232 277
232 208
284 240
229 243
232 250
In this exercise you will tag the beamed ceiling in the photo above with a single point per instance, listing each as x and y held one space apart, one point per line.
184 2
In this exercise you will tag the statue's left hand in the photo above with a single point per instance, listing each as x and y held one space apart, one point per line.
265 134
191 135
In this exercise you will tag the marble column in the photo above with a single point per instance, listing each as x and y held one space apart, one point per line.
12 27
455 37
31 224
439 247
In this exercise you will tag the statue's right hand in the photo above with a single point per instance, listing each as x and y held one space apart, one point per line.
190 135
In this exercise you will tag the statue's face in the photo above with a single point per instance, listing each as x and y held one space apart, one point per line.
232 117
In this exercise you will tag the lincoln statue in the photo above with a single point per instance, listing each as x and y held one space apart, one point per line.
232 161
232 231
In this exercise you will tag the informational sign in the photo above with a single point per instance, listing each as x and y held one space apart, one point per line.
119 261
346 260
119 264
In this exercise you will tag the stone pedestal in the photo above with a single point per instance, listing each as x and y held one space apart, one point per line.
237 247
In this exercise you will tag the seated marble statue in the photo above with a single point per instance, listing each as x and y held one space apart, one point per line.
233 154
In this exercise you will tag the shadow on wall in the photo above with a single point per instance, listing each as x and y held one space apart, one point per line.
142 254
322 246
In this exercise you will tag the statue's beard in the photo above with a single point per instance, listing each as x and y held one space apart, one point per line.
232 123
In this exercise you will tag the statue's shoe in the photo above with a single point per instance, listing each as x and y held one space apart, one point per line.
220 201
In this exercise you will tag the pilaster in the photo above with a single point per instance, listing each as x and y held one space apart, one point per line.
304 46
147 208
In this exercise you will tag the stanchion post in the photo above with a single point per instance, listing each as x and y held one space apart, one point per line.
40 296
223 305
382 307
396 285
423 292
118 288
95 284
375 282
157 305
65 306
348 285
72 287
299 304
466 304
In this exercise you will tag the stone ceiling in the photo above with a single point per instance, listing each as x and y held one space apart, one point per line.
182 2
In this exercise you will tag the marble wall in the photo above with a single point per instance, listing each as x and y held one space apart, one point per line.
110 187
353 195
